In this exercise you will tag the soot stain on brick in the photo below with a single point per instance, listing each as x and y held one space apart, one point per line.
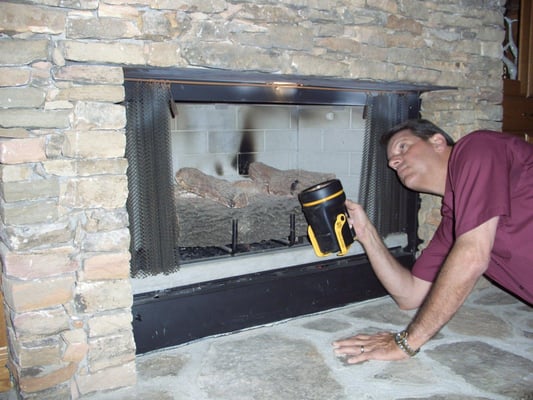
246 152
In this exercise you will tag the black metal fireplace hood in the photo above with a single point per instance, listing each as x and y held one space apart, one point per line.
220 86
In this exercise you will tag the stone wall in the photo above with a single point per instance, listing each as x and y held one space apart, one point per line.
64 239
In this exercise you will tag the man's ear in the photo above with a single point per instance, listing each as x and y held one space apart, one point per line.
438 141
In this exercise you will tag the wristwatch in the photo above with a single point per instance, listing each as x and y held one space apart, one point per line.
401 340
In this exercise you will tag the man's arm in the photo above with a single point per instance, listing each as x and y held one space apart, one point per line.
467 261
407 290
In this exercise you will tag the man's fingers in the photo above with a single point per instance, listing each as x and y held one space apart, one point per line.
352 350
352 341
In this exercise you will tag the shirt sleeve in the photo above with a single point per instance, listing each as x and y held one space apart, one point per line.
478 179
428 264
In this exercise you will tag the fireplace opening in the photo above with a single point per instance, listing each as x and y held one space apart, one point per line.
239 168
216 161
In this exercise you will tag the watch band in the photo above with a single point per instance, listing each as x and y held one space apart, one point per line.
401 340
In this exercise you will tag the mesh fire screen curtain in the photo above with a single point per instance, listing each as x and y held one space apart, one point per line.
381 193
150 201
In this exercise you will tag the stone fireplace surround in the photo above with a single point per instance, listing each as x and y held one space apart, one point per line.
64 238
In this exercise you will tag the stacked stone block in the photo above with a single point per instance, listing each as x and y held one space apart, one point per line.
64 237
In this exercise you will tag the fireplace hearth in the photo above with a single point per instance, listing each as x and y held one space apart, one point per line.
208 261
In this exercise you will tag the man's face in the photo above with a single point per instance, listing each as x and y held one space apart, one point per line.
412 158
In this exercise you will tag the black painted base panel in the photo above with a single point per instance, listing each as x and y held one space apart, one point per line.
179 315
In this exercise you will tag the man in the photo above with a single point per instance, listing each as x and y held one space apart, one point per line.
486 184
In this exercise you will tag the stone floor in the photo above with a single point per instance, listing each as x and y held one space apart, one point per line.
485 352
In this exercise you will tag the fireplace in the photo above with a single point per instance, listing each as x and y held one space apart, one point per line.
215 247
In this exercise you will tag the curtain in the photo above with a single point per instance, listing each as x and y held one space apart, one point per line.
150 204
381 193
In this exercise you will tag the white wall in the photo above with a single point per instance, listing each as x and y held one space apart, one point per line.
313 138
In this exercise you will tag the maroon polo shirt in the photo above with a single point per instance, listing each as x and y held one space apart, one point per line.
489 174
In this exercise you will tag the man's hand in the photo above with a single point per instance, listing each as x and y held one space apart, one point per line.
358 219
359 348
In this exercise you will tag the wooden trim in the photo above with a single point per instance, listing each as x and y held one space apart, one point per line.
5 378
528 17
525 43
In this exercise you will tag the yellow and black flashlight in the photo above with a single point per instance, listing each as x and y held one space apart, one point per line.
325 212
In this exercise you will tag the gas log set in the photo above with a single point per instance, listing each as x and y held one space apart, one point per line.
222 217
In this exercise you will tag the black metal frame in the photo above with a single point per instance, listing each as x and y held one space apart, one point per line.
219 86
179 315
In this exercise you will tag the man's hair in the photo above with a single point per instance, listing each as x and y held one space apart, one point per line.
422 128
